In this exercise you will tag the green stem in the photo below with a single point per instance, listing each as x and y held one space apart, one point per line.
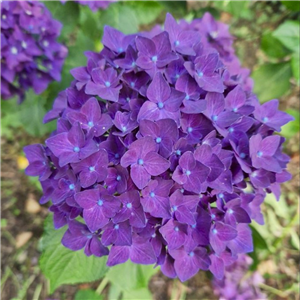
274 291
102 286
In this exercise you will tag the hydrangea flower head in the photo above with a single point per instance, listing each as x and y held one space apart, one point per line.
31 55
93 5
162 150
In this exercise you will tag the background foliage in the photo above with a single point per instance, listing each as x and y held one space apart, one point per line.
267 41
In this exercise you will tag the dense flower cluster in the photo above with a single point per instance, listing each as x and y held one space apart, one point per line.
30 53
237 284
94 5
163 150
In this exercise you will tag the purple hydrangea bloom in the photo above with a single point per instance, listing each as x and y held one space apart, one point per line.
157 139
31 57
93 5
236 284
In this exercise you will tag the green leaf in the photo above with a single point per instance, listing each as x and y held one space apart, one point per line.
177 8
130 276
280 207
272 47
295 67
259 244
67 14
89 23
292 5
28 115
121 17
258 240
292 128
145 11
140 294
114 292
272 80
288 34
63 266
87 295
295 239
235 8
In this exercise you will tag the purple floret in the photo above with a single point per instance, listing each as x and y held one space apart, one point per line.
31 56
162 151
93 5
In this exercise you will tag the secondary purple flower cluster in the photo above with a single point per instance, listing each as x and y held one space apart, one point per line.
237 284
163 150
30 53
94 5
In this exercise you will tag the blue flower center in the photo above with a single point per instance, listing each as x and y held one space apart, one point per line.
200 74
133 64
92 169
132 84
230 211
187 97
235 109
152 194
221 195
231 129
214 118
160 105
107 83
265 119
177 76
89 236
100 202
117 155
191 254
176 228
117 226
213 216
90 124
129 205
140 162
189 129
214 231
242 155
153 235
259 154
178 152
124 128
127 99
76 149
118 178
120 50
174 208
154 58
158 140
72 186
176 43
194 225
13 50
188 172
